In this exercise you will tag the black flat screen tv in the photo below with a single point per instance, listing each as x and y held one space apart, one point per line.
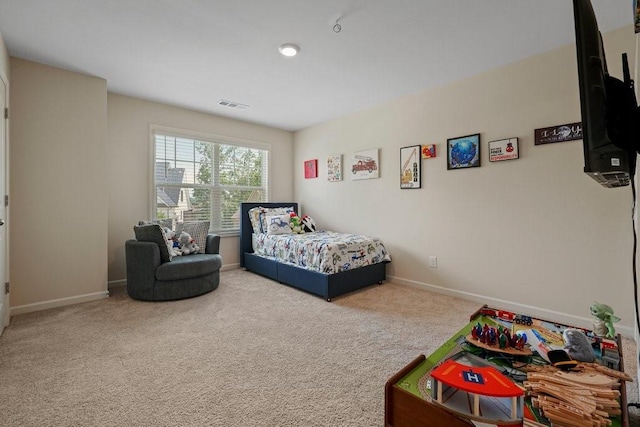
608 105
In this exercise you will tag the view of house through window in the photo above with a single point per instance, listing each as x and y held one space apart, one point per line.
198 180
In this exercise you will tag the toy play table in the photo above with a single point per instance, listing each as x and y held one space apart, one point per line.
407 402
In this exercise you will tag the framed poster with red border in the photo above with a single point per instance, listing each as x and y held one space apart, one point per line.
311 168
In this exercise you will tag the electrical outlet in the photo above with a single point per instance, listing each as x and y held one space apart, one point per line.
433 261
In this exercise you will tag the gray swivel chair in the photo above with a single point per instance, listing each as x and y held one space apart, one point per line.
152 277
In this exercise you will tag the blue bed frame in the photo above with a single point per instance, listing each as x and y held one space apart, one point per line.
327 286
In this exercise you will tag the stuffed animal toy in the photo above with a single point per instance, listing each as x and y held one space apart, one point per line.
295 223
187 244
309 224
172 242
603 320
578 346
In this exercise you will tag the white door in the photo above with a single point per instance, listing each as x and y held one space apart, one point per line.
4 298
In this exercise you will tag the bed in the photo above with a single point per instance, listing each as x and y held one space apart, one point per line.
328 284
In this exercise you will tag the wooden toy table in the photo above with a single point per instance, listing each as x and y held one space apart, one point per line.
407 406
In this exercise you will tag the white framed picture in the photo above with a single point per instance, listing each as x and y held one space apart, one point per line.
503 149
334 168
364 165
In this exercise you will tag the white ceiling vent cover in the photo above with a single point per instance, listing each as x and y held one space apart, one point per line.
232 104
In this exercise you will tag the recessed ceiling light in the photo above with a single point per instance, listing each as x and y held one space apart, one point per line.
289 49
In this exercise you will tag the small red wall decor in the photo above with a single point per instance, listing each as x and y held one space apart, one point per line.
311 168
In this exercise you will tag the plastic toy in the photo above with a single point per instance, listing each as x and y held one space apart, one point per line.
508 316
603 320
472 392
498 340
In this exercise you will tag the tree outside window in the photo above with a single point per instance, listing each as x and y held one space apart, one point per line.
198 180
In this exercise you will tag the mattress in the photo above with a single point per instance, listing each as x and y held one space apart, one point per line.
323 251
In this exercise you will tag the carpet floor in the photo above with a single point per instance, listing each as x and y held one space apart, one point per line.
251 353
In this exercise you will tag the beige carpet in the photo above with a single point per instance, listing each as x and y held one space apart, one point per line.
251 353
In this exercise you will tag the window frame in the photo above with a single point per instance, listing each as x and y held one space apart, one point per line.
204 137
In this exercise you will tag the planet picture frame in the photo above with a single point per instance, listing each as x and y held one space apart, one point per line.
463 152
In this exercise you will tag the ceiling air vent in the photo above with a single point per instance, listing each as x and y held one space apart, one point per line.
232 104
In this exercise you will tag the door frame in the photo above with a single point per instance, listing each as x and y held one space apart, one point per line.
5 322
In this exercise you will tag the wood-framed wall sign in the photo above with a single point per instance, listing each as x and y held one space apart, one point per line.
560 133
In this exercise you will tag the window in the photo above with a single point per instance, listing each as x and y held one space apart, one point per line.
206 178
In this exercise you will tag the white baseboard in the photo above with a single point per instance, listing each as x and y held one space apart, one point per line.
117 284
60 302
543 313
228 267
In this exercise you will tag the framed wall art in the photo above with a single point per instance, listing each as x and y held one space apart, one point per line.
463 152
364 165
334 168
410 167
561 133
503 149
429 151
311 168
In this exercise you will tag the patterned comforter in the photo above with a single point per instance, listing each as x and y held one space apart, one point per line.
324 251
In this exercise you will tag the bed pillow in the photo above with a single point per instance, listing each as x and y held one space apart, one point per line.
168 223
198 231
257 216
254 218
277 224
154 233
286 210
309 225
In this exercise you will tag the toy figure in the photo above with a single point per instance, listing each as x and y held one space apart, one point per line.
187 244
172 242
295 223
578 346
603 320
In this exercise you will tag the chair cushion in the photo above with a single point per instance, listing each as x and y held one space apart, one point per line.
185 267
154 233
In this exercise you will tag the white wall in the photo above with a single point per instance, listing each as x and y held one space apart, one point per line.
58 186
128 166
535 234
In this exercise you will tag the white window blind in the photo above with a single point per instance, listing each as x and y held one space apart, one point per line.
201 180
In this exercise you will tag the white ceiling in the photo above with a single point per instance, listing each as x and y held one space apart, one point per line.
193 53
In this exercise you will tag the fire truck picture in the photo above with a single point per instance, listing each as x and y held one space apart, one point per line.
364 164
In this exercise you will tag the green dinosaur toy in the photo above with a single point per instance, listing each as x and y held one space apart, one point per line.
603 320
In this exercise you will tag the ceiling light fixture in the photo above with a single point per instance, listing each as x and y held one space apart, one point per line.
289 49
